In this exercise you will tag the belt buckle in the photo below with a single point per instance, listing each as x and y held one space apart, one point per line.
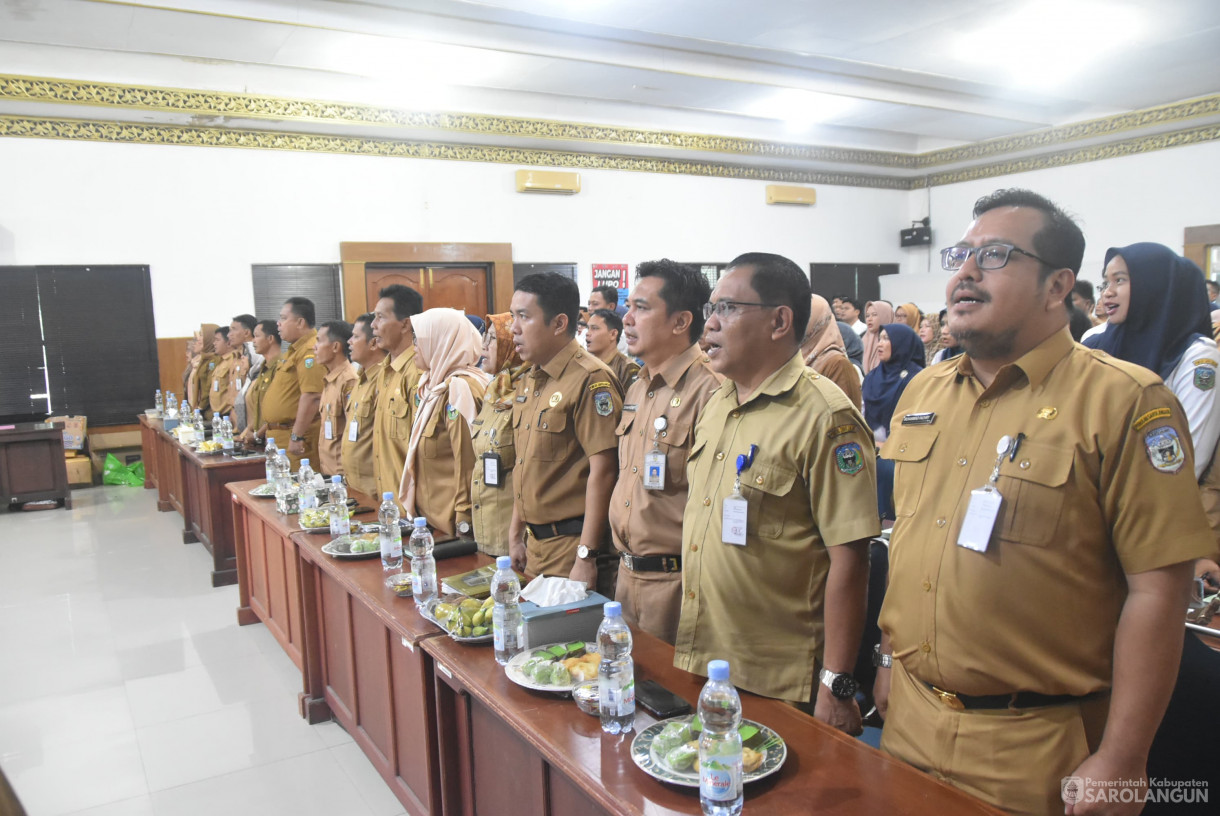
949 698
628 560
670 563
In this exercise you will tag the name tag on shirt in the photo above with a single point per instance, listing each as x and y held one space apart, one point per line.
980 519
353 430
491 470
919 419
215 385
733 521
328 429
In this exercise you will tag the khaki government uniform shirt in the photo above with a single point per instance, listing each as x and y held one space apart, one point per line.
492 432
812 485
563 413
254 394
444 461
297 372
203 382
223 387
1101 485
835 366
392 423
337 385
649 522
625 369
358 455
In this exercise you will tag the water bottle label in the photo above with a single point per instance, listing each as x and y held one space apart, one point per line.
626 704
391 545
340 526
720 778
497 627
417 585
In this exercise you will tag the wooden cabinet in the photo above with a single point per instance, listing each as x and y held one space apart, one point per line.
32 464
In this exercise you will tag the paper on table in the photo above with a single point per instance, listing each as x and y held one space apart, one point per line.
552 591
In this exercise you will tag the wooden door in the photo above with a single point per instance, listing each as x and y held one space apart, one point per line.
454 287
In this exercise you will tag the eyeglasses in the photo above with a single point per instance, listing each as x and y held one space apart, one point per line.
987 257
728 308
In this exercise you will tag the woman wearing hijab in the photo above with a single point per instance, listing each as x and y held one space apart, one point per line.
877 314
206 361
908 313
929 333
440 457
823 351
491 483
901 358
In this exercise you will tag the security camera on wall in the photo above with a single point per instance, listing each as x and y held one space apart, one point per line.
920 234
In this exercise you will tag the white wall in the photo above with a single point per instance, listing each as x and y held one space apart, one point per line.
1148 197
199 217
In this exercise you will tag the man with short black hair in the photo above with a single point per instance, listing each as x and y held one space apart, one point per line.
1047 521
290 405
246 365
1084 301
603 297
224 389
782 503
851 308
566 409
664 321
360 409
396 305
603 339
332 355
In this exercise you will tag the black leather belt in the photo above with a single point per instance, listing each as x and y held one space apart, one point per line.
651 563
1018 699
572 526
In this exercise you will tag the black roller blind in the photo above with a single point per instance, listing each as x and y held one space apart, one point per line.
100 341
21 365
275 283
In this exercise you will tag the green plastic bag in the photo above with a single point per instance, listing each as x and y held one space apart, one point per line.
115 472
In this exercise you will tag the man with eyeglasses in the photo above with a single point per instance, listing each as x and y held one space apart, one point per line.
781 504
1047 521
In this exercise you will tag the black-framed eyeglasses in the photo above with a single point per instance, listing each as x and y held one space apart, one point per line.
726 308
987 257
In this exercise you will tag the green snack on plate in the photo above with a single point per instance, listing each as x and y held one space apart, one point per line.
558 652
560 676
682 757
577 649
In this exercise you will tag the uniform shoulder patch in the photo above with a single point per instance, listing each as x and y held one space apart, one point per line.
1205 377
211 365
849 458
309 362
597 385
1150 416
840 430
1164 449
603 403
451 413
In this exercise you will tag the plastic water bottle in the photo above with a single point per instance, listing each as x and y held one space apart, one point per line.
616 673
506 623
269 464
339 523
215 426
285 493
226 435
159 402
309 498
171 406
184 410
201 432
423 565
720 792
391 537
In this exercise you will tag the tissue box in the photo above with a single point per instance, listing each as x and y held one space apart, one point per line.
564 623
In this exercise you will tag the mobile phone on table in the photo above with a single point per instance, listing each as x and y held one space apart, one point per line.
659 701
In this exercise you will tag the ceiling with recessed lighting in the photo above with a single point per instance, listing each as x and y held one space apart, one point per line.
906 77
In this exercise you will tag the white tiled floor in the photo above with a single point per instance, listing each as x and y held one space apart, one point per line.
128 689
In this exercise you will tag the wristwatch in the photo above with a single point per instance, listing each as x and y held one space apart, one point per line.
585 553
293 437
463 528
882 661
842 685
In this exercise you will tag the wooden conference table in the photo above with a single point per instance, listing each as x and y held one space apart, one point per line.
451 734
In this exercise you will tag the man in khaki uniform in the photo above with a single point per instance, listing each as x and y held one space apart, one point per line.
223 389
290 404
331 352
602 339
246 365
780 590
664 319
564 415
267 344
396 305
1041 640
361 404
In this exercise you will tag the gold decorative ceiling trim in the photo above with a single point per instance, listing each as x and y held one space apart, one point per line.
258 106
195 136
1082 155
1091 129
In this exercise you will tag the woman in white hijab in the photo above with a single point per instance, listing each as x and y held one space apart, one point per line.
436 478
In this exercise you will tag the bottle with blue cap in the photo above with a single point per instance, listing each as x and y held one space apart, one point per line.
337 508
308 498
423 564
720 767
616 672
391 538
506 623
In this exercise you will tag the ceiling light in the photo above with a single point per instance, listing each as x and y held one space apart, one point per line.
799 109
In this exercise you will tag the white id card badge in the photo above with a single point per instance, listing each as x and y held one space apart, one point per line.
353 431
980 519
654 471
491 469
733 521
215 385
329 429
